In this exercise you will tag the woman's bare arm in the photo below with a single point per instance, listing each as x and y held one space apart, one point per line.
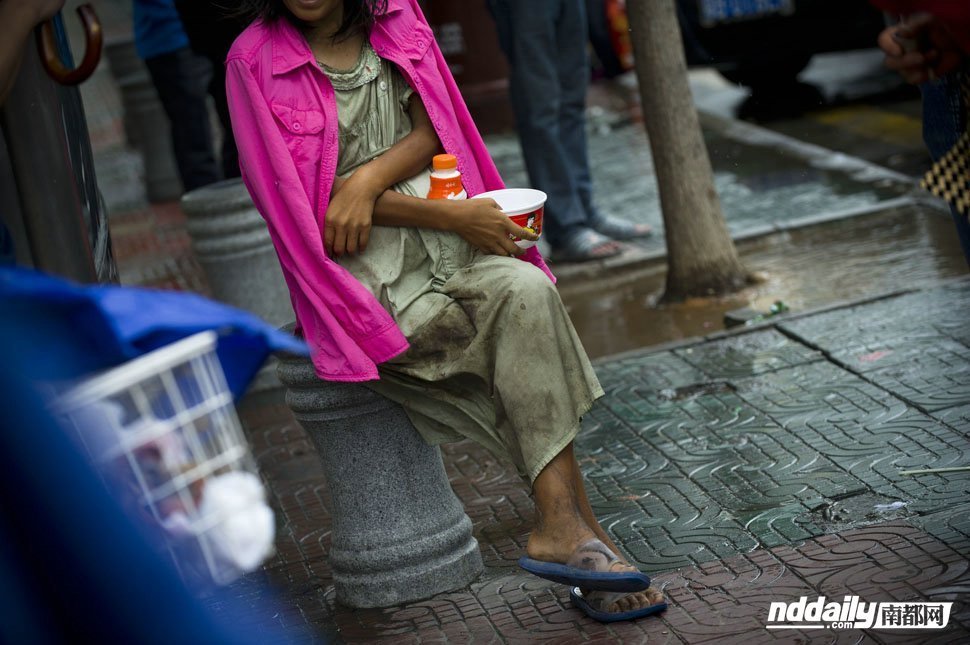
349 215
479 221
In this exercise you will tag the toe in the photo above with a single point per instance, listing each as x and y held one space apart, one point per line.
620 603
630 602
653 596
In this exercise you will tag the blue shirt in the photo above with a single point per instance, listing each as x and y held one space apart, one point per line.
158 29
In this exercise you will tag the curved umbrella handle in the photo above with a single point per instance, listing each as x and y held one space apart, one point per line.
49 56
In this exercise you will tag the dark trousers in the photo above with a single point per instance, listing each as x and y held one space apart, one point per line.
181 79
217 89
211 28
545 43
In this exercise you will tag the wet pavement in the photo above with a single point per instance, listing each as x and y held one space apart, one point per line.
739 469
907 247
759 466
758 184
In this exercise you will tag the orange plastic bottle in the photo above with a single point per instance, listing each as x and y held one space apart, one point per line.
445 179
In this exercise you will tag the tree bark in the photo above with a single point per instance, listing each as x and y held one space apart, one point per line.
701 256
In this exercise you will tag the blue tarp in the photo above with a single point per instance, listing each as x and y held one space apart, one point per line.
68 331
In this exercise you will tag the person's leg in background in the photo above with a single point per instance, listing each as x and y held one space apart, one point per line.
217 89
211 30
573 69
599 38
528 35
181 78
944 120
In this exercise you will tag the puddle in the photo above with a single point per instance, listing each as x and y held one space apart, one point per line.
904 248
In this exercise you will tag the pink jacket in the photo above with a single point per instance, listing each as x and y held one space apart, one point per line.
284 118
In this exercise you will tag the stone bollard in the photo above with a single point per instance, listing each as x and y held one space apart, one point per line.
125 65
399 532
145 122
234 248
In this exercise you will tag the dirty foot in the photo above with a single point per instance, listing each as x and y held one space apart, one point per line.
591 565
608 607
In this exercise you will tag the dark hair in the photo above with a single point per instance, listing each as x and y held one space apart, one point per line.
359 15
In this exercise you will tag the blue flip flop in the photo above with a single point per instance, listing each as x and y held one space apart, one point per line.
576 596
588 568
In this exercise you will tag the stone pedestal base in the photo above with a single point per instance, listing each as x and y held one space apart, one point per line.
399 532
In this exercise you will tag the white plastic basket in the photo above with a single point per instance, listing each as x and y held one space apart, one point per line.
163 432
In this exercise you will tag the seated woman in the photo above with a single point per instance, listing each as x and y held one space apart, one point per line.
338 107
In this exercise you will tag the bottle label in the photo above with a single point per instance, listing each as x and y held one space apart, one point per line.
446 188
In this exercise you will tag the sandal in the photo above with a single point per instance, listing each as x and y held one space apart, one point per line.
585 245
620 229
592 604
591 567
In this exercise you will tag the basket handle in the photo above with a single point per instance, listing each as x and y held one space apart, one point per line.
49 56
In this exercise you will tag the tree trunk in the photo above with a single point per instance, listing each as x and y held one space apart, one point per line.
701 257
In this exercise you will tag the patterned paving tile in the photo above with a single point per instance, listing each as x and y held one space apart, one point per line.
916 345
634 384
955 417
717 601
950 525
925 314
736 483
747 354
866 432
933 375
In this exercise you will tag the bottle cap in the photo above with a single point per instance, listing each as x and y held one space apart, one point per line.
444 162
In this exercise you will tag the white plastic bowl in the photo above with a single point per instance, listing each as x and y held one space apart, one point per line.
524 206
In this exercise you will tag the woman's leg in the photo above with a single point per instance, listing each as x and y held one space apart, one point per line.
560 522
502 365
563 508
565 521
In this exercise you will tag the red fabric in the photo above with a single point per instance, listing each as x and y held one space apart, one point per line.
955 14
955 10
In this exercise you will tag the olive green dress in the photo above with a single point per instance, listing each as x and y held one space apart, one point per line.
493 356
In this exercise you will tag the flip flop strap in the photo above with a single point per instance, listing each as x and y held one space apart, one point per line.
603 600
593 556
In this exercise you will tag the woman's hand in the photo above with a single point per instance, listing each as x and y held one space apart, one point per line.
920 49
349 216
483 225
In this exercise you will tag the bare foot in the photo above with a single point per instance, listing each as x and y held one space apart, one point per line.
584 550
615 603
558 545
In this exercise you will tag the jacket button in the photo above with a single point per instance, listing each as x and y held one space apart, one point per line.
420 44
297 127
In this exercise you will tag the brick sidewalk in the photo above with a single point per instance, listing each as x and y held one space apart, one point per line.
738 471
